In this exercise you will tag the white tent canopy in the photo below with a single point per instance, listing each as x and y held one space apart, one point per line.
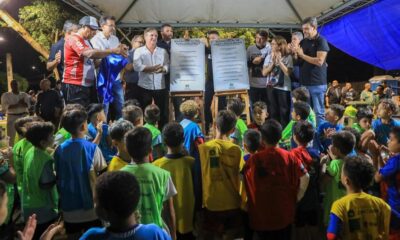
224 13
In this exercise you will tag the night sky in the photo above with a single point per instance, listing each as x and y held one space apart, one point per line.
340 65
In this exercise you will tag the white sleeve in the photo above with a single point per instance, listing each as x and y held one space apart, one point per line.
268 60
137 61
170 190
166 61
99 163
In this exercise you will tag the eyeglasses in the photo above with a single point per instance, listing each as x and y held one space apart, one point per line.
141 42
110 26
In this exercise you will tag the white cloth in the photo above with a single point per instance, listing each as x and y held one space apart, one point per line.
10 98
99 41
144 58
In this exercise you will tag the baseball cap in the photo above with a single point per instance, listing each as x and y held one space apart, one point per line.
90 22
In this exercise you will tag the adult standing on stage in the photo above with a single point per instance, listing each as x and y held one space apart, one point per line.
131 76
256 55
56 57
167 33
15 104
295 76
152 63
278 67
106 39
79 73
312 53
212 35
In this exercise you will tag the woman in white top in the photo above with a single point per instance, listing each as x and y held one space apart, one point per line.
277 68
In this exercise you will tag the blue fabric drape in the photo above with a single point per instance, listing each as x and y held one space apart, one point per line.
110 67
371 34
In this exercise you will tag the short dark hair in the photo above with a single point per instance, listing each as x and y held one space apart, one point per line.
213 32
262 33
311 20
164 26
20 123
133 102
304 131
103 19
302 109
119 128
132 113
39 131
138 142
344 141
94 109
73 120
252 139
152 114
261 105
271 131
237 106
118 192
360 171
301 94
396 132
356 134
173 135
226 121
364 112
337 109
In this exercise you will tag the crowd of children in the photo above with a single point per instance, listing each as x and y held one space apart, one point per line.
128 180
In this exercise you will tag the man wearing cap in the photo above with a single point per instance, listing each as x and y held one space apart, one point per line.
56 57
106 39
79 73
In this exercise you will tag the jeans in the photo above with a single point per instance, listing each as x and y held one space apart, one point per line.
317 94
117 103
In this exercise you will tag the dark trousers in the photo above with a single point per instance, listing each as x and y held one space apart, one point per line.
209 94
79 94
280 105
258 94
132 91
160 99
282 234
40 228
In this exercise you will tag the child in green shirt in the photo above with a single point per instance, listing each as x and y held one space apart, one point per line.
39 193
237 107
343 143
152 116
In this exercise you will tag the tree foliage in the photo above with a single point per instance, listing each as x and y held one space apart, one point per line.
44 19
248 34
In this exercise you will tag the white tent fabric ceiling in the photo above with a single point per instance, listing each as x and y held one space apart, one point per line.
265 13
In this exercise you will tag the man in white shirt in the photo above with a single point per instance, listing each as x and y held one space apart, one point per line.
152 63
15 104
103 40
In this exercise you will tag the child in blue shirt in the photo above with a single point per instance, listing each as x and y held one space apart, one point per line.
191 130
331 125
389 173
77 163
116 202
382 126
252 143
98 131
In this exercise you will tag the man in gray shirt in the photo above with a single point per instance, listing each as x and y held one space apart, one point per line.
255 60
